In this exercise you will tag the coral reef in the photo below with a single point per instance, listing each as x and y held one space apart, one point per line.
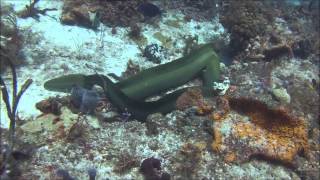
10 38
245 20
265 123
303 20
269 133
113 13
267 30
201 10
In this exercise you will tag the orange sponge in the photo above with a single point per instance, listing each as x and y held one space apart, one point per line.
270 133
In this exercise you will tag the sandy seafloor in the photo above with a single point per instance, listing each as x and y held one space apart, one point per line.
52 49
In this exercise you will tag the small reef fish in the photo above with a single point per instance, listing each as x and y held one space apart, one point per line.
149 9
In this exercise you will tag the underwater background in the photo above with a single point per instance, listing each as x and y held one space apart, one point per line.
158 90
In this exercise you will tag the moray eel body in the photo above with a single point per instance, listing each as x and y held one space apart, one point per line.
138 109
129 94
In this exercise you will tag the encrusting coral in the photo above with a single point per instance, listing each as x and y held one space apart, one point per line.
193 98
269 133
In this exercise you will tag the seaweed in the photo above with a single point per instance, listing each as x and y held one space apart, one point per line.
12 109
32 11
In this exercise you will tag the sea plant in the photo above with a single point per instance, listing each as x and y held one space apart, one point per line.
31 11
12 107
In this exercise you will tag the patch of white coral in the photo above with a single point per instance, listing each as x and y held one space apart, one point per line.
222 87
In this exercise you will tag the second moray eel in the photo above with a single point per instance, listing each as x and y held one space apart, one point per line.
129 94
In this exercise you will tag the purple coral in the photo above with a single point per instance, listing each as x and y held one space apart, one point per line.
151 170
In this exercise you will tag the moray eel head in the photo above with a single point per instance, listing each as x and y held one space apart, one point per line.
65 83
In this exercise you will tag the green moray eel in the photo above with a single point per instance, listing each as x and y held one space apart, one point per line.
129 94
138 109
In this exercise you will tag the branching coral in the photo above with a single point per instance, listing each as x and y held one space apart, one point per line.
270 133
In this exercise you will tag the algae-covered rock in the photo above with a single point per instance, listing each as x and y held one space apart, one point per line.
49 127
40 124
93 122
113 13
165 41
141 41
282 95
83 16
10 39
